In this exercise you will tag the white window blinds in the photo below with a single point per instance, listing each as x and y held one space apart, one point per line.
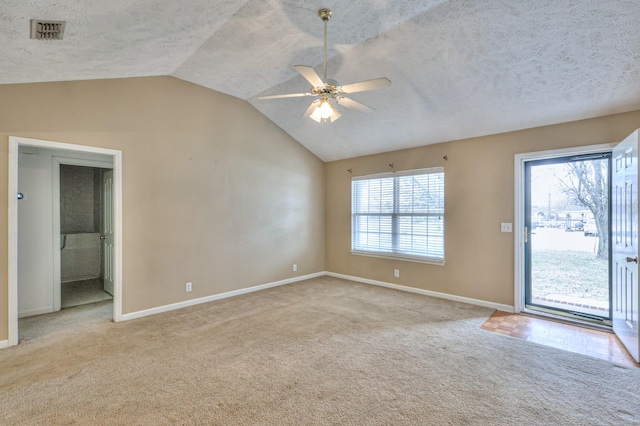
399 214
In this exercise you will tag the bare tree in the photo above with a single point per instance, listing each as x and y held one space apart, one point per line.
587 183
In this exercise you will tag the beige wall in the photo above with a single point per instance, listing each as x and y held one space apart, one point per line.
213 192
479 195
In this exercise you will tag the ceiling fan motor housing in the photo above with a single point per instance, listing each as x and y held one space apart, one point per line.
329 89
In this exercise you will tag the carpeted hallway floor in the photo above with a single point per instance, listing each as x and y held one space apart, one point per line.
323 351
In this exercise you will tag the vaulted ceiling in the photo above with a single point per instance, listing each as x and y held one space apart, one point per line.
459 68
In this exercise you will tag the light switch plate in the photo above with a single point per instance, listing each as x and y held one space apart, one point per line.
506 227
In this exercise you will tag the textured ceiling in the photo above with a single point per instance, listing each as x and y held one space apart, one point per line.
458 68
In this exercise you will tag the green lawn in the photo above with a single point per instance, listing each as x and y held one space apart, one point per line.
570 273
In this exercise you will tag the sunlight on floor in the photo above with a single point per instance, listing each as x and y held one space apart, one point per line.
582 340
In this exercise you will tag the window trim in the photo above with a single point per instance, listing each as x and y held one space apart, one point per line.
393 255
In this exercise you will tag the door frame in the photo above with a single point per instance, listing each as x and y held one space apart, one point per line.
57 162
116 155
519 208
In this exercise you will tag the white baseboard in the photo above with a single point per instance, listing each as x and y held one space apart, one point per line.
192 302
4 344
492 305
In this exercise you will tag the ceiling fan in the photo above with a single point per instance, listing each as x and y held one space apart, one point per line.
329 91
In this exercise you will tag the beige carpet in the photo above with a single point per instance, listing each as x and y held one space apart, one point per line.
323 351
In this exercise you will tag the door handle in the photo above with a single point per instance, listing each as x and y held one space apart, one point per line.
527 233
102 237
632 259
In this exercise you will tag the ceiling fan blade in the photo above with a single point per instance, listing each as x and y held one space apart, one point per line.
310 75
350 103
311 108
290 95
376 83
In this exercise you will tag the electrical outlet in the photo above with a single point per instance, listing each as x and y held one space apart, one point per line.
396 273
295 267
187 287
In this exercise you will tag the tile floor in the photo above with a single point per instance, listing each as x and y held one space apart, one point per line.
587 341
82 292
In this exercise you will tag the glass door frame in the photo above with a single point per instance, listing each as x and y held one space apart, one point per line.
519 161
528 230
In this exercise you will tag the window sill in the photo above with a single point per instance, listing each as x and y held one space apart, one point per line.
394 256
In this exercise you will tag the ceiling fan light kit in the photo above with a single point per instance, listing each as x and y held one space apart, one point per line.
324 112
329 91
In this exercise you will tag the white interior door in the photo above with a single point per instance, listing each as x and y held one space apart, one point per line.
625 243
107 236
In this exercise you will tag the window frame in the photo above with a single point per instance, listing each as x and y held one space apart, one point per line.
395 217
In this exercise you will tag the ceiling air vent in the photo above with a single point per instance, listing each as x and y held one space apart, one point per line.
47 30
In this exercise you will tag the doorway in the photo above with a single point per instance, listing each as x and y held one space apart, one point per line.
624 222
73 152
567 236
85 212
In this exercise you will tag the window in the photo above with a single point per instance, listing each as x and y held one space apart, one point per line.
399 214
